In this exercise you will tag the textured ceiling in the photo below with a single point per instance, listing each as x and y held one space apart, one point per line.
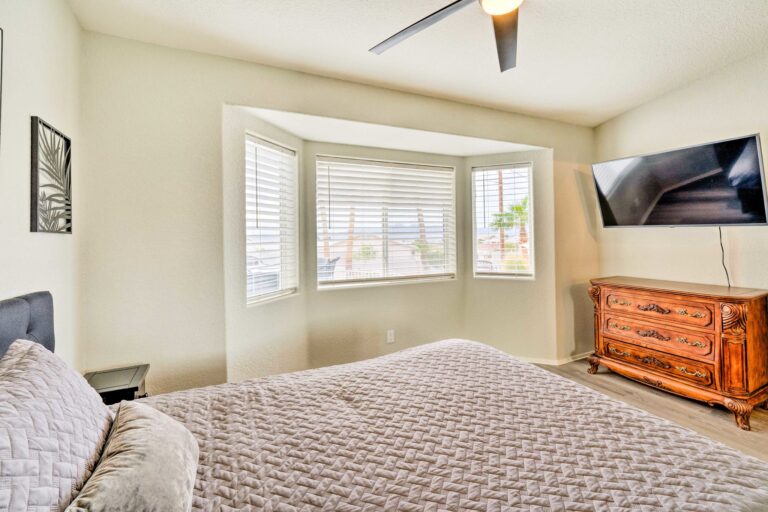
581 61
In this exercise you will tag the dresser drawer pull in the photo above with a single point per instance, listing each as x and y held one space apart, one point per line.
655 308
618 352
652 334
685 371
691 343
695 314
614 325
615 302
653 361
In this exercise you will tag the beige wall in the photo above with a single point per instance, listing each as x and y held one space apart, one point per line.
516 315
153 248
729 103
271 337
41 77
576 252
349 324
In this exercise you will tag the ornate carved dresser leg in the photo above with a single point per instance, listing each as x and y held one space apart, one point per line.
594 294
741 410
594 364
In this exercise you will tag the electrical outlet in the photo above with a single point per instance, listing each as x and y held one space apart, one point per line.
390 336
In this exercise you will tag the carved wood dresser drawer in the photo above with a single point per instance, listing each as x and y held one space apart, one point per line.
696 372
661 307
705 342
666 338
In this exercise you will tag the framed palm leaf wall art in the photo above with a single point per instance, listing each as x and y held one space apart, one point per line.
51 190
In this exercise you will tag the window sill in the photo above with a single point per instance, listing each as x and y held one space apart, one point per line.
506 277
272 297
385 282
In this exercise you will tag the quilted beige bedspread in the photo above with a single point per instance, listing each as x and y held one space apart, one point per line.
454 425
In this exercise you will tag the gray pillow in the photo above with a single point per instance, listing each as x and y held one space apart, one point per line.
149 464
53 426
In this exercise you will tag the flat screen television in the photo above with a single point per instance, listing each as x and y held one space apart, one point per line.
716 184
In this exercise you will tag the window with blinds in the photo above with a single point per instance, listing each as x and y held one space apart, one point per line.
502 218
383 221
271 220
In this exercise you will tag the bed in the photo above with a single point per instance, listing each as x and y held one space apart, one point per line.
454 425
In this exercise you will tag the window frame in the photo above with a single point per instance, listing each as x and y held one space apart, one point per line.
258 138
392 281
531 216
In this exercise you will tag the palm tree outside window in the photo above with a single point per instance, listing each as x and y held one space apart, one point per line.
503 221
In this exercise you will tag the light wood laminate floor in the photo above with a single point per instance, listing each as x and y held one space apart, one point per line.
714 422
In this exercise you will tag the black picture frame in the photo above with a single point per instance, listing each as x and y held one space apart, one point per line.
51 187
1 87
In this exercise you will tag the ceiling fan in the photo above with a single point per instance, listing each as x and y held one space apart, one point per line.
503 12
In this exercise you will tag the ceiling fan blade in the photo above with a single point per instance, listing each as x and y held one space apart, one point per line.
420 25
505 28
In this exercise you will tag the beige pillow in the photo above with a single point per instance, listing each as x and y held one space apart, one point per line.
149 464
53 426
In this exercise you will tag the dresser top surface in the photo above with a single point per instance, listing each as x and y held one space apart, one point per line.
708 290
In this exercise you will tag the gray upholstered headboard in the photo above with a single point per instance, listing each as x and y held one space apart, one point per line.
28 317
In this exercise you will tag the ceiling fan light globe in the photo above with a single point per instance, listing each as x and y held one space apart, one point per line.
500 7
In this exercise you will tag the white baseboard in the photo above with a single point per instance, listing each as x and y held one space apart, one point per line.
555 362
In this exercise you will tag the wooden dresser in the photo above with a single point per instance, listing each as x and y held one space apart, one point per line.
709 343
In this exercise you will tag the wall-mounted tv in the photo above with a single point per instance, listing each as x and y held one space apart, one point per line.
715 184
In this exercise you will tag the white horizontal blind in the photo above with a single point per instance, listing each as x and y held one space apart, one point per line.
502 204
381 221
271 220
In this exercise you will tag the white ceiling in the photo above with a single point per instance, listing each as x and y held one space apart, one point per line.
581 61
340 131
